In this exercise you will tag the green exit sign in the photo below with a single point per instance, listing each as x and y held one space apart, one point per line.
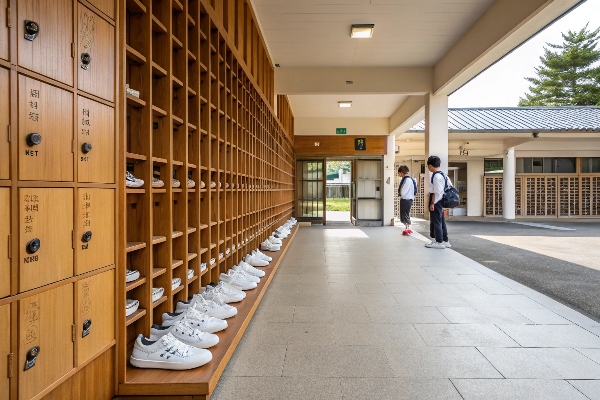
340 131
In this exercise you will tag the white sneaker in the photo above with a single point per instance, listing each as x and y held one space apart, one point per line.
202 185
131 275
255 261
185 333
167 353
261 256
196 319
243 266
435 245
131 306
213 185
220 256
213 261
227 251
238 281
191 184
268 246
244 275
133 182
447 244
175 283
209 307
157 293
157 183
274 240
202 267
176 183
190 273
222 292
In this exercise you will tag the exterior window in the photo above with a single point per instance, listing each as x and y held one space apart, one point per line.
590 165
546 165
493 165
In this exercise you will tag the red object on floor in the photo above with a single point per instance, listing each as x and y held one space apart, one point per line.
405 232
409 231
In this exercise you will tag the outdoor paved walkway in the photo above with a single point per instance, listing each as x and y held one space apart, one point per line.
369 314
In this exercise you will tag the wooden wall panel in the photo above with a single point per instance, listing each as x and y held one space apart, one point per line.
4 349
4 232
107 7
4 122
3 30
339 145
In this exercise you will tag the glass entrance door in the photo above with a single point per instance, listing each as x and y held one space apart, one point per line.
310 189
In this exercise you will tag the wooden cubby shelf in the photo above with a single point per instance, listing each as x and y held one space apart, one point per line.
133 246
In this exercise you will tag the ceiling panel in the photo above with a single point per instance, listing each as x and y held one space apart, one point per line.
363 106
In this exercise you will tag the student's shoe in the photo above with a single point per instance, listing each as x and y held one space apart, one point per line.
167 353
435 245
255 261
262 256
268 246
447 244
409 231
243 266
209 307
185 333
405 232
196 319
132 182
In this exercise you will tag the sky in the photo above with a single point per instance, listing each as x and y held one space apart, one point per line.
502 84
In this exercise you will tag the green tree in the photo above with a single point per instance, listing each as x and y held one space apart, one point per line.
569 74
334 166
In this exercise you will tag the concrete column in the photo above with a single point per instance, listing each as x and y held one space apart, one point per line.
436 135
508 184
475 171
388 179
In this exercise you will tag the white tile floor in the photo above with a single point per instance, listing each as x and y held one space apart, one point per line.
369 314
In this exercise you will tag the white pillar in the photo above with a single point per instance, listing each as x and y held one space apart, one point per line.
475 171
436 136
508 184
388 179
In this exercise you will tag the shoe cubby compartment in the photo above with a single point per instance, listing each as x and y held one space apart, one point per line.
4 250
45 352
4 116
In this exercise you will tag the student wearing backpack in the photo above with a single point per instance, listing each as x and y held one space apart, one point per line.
437 224
407 190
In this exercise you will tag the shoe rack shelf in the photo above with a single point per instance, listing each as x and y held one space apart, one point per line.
205 111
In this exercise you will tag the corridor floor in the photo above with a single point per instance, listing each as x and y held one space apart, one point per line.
365 313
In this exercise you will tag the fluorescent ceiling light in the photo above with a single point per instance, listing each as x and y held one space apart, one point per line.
345 103
362 31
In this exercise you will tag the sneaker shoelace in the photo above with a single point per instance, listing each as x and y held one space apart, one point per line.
174 347
187 330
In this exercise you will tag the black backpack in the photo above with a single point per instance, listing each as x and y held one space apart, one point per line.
451 197
416 189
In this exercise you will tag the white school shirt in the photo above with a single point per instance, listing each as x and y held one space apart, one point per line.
437 187
407 191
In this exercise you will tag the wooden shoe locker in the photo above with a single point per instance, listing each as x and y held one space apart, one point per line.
205 110
57 197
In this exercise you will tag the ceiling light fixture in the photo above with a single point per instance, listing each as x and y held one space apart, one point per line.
345 103
362 31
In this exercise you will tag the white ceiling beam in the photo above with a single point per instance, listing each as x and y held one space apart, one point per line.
410 113
367 80
354 126
503 27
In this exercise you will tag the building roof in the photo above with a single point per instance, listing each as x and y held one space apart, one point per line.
520 119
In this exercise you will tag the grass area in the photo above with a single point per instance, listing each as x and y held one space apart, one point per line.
338 204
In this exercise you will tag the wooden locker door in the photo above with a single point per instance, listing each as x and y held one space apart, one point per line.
4 232
94 314
48 112
95 55
45 320
96 215
107 7
4 351
49 53
4 121
4 31
46 215
95 142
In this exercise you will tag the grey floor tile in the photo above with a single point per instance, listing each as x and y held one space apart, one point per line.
518 363
465 279
428 300
568 363
282 313
592 354
336 361
235 388
499 315
551 336
511 389
257 359
405 315
463 315
286 333
589 388
404 288
487 335
382 263
353 278
371 299
501 300
440 362
293 299
312 314
422 278
340 288
372 288
439 271
356 313
542 316
496 288
398 389
386 270
369 334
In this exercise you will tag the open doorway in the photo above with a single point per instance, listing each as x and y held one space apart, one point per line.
338 181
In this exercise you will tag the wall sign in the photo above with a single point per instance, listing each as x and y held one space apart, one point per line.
360 144
340 131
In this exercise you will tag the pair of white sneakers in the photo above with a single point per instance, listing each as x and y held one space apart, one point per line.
222 292
269 245
240 279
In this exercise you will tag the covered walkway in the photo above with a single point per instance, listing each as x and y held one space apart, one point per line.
367 313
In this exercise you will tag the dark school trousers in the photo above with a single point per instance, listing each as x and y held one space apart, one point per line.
405 206
437 223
